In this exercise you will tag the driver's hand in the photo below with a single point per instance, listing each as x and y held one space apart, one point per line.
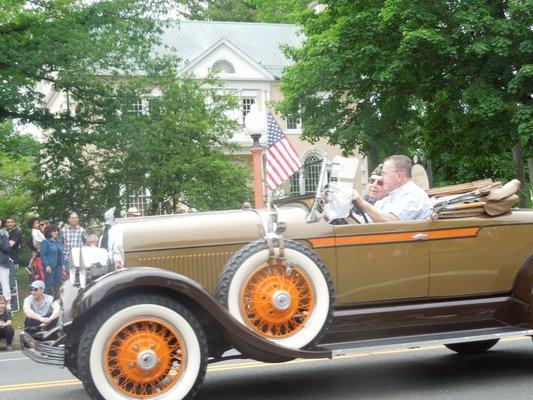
357 198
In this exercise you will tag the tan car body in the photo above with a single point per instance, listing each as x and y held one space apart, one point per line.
465 283
368 263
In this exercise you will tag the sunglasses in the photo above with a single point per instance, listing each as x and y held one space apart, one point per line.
379 182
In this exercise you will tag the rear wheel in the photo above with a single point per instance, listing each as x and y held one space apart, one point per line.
472 347
143 347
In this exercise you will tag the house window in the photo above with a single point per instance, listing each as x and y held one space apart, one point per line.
293 123
222 67
312 166
142 199
139 107
294 181
246 106
305 181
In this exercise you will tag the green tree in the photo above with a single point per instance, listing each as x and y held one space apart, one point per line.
65 43
449 78
175 145
280 11
19 173
178 147
220 10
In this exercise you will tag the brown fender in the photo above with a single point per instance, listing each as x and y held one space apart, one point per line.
519 308
247 342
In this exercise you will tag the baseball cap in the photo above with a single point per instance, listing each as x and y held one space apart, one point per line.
37 285
377 170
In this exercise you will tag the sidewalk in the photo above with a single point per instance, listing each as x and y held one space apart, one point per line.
16 342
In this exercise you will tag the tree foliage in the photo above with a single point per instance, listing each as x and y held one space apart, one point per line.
451 79
280 11
176 147
19 173
220 10
65 43
98 56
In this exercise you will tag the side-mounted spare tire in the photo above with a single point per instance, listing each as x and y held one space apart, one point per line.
288 300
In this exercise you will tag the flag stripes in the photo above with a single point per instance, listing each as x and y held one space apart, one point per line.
282 159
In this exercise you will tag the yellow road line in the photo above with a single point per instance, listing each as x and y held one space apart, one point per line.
238 366
39 385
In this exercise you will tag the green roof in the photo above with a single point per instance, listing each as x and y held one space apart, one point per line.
259 41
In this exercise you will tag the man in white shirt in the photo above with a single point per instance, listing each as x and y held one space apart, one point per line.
405 200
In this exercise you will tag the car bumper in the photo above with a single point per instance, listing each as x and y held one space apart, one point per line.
42 349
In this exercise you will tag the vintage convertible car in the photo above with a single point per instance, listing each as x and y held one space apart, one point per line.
275 285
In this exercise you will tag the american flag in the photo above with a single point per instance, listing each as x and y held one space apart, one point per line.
282 160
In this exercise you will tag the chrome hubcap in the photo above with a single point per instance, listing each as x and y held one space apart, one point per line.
147 360
281 300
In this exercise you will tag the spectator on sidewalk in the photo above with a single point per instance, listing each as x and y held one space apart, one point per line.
92 240
35 266
6 330
15 242
73 235
53 259
40 309
5 264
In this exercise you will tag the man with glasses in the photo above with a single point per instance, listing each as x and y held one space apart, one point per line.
405 200
376 189
40 309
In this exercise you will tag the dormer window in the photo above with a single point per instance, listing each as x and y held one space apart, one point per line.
222 67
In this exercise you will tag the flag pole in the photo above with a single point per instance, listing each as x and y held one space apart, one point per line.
255 124
257 160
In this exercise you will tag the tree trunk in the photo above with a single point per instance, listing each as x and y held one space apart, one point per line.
521 175
519 164
530 166
372 159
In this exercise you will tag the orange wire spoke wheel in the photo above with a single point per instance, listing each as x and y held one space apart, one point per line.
145 358
277 300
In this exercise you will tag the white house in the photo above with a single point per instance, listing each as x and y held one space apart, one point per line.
248 60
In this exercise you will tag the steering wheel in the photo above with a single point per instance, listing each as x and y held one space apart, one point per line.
359 210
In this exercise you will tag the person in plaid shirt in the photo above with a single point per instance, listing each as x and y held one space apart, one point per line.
73 235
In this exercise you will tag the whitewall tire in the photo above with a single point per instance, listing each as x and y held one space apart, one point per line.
289 303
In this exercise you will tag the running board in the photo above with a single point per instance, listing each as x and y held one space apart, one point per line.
473 335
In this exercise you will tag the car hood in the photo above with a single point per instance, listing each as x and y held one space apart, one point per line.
191 230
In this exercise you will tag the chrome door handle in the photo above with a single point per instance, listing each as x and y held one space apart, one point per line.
420 236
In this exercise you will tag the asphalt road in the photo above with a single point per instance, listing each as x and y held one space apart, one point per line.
431 372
